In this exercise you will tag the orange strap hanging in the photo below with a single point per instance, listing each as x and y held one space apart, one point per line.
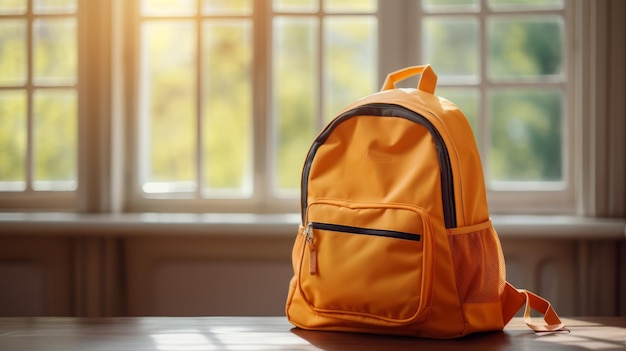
513 299
537 303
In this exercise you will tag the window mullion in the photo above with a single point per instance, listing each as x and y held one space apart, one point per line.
262 161
94 106
321 66
484 130
199 106
30 161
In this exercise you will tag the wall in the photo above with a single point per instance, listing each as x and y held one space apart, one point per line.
188 272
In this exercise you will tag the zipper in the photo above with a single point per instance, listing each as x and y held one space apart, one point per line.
309 237
390 110
363 231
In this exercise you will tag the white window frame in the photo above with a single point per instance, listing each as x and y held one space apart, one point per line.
106 122
263 200
396 21
29 198
399 22
551 200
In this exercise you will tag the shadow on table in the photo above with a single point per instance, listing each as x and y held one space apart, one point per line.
334 341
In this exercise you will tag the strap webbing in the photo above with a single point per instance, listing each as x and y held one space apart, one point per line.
513 299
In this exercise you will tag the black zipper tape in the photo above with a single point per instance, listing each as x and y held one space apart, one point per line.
365 231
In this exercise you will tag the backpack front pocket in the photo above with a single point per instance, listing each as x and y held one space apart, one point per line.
367 260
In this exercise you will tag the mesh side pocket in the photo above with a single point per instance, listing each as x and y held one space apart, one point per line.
478 263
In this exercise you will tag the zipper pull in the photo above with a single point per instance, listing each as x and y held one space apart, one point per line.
308 235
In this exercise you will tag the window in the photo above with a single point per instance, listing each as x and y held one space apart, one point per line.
38 97
221 99
195 98
506 64
231 94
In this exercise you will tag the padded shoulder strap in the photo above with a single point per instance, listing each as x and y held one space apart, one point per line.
512 301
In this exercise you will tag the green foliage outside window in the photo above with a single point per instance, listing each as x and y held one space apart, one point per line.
524 135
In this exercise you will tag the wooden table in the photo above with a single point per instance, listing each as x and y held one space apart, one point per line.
275 333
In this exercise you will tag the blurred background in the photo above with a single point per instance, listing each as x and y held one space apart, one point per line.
151 150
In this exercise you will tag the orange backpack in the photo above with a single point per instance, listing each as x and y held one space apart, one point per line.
396 236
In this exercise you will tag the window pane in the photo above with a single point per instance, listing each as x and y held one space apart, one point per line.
526 139
295 96
13 53
525 4
350 5
295 5
529 47
55 139
227 7
468 101
12 140
451 44
54 6
350 61
12 7
168 7
168 108
55 51
227 106
450 5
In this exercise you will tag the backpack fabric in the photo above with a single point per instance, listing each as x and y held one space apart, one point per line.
396 236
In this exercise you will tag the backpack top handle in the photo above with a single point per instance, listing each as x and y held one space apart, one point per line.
427 82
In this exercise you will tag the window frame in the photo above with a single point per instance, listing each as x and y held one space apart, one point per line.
30 197
107 126
552 201
135 201
263 199
521 198
392 17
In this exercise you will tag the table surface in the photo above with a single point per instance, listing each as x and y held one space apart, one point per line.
275 333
